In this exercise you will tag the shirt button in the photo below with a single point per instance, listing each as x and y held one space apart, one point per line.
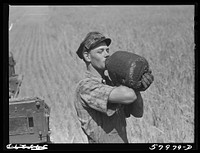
103 81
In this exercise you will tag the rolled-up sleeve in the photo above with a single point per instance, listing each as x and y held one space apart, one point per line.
95 95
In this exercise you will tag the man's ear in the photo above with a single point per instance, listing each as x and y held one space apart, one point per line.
86 56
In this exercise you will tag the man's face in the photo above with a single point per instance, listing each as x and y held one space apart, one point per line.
98 56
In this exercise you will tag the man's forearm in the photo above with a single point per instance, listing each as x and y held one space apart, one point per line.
122 95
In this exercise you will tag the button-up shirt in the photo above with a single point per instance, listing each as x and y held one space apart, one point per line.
101 121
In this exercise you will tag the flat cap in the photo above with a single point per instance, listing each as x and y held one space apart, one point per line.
91 40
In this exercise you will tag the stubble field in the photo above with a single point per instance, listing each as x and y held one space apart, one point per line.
44 41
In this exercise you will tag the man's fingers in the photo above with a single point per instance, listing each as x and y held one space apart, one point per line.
152 78
146 78
149 77
150 71
144 84
145 81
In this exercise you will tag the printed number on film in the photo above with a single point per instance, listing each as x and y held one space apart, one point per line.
170 147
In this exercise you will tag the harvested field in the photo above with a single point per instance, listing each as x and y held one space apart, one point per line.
43 41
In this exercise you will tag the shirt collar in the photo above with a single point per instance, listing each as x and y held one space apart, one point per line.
95 76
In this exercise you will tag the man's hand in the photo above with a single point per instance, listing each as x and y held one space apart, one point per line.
146 80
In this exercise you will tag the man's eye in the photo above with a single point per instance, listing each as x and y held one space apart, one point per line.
100 51
107 50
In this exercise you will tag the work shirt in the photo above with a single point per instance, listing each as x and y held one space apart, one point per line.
101 121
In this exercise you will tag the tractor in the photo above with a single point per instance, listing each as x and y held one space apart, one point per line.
28 117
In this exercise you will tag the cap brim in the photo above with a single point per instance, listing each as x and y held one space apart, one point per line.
107 41
80 49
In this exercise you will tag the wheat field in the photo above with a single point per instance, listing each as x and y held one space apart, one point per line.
44 40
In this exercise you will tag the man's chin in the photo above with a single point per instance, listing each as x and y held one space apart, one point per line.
104 68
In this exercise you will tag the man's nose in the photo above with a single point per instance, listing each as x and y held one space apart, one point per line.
106 54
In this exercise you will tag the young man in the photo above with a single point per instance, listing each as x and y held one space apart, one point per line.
101 107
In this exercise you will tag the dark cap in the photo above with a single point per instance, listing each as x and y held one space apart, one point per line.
91 41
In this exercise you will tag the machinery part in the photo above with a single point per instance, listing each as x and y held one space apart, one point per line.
11 64
28 123
15 82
